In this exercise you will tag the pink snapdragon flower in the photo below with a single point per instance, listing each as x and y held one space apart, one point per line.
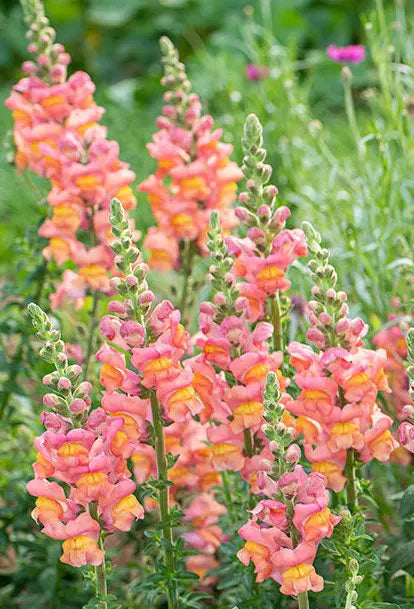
58 136
194 173
269 539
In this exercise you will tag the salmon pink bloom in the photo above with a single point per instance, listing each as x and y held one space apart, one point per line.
120 507
80 546
179 397
57 136
294 570
201 564
406 435
194 174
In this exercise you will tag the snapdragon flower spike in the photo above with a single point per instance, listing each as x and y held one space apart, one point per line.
58 136
143 357
230 373
392 339
283 533
406 429
263 257
337 410
194 174
91 493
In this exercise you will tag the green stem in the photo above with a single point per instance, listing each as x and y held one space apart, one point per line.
350 113
249 449
100 580
303 600
276 317
227 494
248 442
188 255
351 497
163 498
91 334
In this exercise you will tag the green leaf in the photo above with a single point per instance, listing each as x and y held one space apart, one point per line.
407 503
379 605
403 556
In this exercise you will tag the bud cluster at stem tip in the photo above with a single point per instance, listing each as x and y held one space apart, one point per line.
132 286
50 57
328 309
68 398
175 79
259 201
220 271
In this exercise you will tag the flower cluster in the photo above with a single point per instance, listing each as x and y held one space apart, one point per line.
154 342
194 174
282 537
246 276
58 136
337 405
262 257
85 451
283 532
406 429
391 338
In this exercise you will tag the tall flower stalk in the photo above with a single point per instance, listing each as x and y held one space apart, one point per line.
85 451
194 176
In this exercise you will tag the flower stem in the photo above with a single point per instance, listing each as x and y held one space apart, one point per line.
227 494
91 333
276 317
249 449
351 497
187 257
100 580
303 600
164 507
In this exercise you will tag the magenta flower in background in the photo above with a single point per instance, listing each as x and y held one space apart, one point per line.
354 53
255 72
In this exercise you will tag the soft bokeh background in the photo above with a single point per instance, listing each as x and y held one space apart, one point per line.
353 181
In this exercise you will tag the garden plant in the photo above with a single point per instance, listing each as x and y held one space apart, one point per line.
207 380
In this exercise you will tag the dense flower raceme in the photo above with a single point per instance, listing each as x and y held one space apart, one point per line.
236 355
391 338
264 255
84 451
270 544
58 136
283 533
154 342
337 405
194 174
406 429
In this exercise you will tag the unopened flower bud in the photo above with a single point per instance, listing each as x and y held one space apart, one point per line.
64 384
146 298
219 298
292 454
116 306
83 390
73 372
77 405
